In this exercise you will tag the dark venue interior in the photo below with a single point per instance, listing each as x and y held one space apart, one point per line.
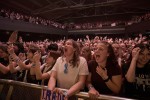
70 12
104 46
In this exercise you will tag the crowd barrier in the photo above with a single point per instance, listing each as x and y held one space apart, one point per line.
15 90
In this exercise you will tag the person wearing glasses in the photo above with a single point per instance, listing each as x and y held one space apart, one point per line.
137 73
70 71
104 72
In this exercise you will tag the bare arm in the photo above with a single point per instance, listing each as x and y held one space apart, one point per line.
4 69
78 86
130 75
46 75
37 71
12 67
52 81
93 93
20 63
35 68
115 84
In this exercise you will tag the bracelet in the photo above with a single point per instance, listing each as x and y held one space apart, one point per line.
33 65
17 60
65 93
106 80
90 87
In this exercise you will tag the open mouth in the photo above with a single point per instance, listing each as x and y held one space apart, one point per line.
97 56
65 49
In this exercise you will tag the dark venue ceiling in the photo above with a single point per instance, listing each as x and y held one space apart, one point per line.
79 10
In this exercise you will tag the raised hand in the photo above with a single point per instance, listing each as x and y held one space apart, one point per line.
10 49
22 56
13 37
135 53
37 56
102 72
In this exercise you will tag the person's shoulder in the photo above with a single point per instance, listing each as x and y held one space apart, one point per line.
82 58
60 58
92 62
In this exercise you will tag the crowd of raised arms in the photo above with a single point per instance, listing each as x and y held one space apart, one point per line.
102 65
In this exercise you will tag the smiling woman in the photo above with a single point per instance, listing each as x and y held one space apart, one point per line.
138 73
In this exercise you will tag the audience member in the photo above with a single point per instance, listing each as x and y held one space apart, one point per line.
105 74
70 70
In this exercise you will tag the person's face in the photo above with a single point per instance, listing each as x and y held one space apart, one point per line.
87 44
85 52
29 55
49 59
144 57
42 48
101 54
69 49
2 54
94 46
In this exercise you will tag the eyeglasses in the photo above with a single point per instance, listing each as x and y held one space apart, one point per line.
66 68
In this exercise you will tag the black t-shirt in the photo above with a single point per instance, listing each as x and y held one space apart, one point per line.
140 89
8 75
97 80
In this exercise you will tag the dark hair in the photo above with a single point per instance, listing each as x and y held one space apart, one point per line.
20 47
33 48
52 46
112 57
55 54
142 47
4 47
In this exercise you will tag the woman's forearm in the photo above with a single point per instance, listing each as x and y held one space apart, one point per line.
115 84
75 88
4 69
130 75
51 83
78 86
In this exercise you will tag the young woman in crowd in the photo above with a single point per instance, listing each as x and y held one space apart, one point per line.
70 70
27 67
137 73
105 74
44 71
4 63
5 59
86 53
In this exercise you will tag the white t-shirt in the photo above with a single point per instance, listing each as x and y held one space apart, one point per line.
67 80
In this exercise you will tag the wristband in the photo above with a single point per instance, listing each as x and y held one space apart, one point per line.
90 87
33 65
65 93
106 80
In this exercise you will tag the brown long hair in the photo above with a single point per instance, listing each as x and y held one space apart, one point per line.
112 57
76 54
